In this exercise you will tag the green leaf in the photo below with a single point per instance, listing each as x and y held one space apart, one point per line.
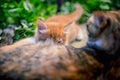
13 10
104 7
27 6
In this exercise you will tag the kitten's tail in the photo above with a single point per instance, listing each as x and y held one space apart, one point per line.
74 16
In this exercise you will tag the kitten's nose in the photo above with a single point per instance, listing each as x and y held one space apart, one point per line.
60 41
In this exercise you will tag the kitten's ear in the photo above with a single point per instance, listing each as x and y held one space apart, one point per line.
40 31
41 26
68 27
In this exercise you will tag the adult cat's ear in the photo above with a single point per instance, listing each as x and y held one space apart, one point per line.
100 19
42 28
68 27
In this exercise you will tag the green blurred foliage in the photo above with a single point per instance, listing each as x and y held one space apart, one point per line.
24 13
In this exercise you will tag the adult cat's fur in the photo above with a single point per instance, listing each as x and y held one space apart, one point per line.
47 61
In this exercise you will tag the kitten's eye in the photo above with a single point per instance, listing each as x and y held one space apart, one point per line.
60 41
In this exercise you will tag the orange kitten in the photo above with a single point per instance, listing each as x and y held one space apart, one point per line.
61 28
